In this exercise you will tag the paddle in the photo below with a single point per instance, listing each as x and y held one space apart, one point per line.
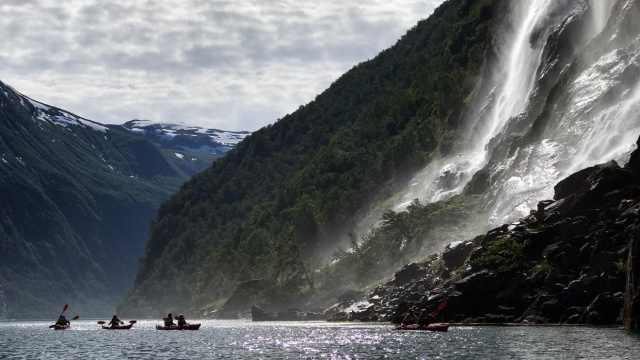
65 309
132 321
440 307
101 322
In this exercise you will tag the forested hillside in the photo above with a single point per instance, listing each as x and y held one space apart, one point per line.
294 189
76 201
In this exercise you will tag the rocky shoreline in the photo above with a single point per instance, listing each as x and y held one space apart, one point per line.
572 261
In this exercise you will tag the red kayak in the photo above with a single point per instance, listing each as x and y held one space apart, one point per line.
60 327
176 327
118 327
430 327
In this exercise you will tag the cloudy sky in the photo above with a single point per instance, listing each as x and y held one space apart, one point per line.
232 65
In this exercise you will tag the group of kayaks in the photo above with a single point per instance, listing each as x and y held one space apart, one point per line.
122 326
128 327
65 324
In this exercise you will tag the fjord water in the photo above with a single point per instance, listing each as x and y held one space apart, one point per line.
317 340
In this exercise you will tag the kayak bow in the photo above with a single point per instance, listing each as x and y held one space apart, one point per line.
118 327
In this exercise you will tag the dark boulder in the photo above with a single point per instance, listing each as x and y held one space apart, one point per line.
571 315
408 274
634 160
573 183
603 310
338 317
565 262
507 311
455 254
479 292
552 310
479 183
290 315
601 262
257 314
243 295
586 189
350 296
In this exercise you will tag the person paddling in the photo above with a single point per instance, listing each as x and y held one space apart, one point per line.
168 321
115 321
62 321
181 320
425 319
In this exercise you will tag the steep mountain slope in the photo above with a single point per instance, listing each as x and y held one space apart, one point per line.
307 178
559 92
76 200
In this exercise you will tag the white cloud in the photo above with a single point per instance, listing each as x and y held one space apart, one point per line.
234 65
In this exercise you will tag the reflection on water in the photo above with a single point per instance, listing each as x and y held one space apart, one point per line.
318 340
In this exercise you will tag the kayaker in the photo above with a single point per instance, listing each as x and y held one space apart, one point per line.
62 321
410 318
115 321
181 320
425 319
168 321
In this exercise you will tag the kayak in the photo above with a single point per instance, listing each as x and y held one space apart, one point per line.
430 327
176 327
118 327
60 327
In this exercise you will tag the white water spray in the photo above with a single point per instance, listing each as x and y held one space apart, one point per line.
581 133
520 59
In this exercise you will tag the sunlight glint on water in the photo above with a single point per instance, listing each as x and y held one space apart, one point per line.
317 340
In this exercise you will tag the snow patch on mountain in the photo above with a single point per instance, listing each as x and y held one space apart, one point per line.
48 113
186 138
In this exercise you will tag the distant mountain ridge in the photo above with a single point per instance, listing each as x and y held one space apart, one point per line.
185 137
76 201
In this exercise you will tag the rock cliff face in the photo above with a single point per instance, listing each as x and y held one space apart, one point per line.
572 261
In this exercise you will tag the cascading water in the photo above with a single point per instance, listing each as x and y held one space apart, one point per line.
520 59
594 120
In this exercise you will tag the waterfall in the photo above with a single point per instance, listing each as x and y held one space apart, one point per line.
586 126
520 59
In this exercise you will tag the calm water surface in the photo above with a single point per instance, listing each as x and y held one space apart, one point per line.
316 340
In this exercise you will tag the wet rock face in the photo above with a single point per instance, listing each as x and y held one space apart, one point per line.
579 258
631 317
408 273
455 254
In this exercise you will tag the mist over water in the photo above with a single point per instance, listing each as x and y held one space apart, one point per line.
592 119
